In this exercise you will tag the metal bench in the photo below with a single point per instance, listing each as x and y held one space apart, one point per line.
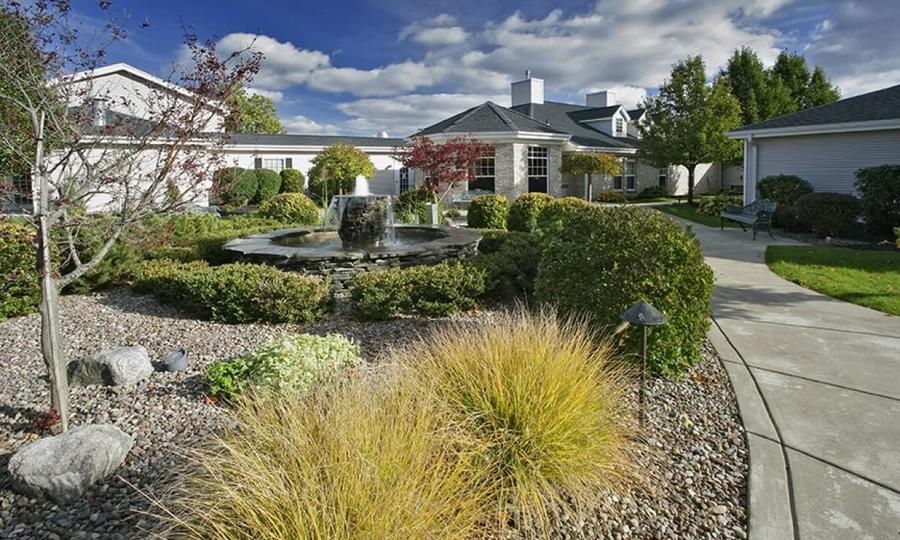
758 215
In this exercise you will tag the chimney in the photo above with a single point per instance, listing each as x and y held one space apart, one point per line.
606 98
98 112
528 91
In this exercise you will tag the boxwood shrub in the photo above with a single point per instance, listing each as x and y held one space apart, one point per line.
19 287
234 186
714 205
488 212
879 197
827 214
292 181
783 188
509 261
610 196
236 293
613 257
268 185
284 365
553 217
295 208
524 211
439 290
787 217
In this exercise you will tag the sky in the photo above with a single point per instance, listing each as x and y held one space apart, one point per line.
368 66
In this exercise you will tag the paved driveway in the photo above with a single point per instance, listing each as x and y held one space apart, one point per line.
818 385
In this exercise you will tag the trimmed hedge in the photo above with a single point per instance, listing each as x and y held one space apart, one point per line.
524 211
288 364
292 181
613 257
488 212
879 197
827 214
234 186
553 217
654 192
714 205
509 261
20 290
788 218
610 196
268 185
783 188
295 208
236 293
439 290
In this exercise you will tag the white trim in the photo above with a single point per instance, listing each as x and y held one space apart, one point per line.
607 149
515 136
288 148
131 70
845 127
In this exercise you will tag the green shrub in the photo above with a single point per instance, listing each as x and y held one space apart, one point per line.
714 205
524 211
292 363
452 213
897 234
439 290
612 257
542 401
236 293
411 206
879 197
268 185
488 212
335 169
787 217
827 214
292 181
654 192
509 261
20 290
783 188
611 196
553 218
295 208
234 186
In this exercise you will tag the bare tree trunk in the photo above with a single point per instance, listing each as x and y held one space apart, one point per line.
691 169
50 335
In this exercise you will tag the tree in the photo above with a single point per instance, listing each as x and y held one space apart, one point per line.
820 90
746 76
791 68
170 152
688 121
589 164
334 170
447 164
252 114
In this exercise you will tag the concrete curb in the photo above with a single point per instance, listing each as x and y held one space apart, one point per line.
769 505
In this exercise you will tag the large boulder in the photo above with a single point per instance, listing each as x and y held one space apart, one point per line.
118 367
64 466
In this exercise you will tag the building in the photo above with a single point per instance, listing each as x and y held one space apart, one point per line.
531 136
824 145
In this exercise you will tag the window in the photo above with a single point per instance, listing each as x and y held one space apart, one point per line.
663 180
537 169
404 179
628 166
275 164
484 174
620 126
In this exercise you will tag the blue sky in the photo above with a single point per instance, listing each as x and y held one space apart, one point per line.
397 65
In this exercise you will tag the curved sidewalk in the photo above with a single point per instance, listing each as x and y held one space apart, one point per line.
818 387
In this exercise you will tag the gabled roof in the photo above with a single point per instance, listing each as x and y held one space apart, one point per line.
130 71
565 117
875 106
594 113
290 139
636 114
489 118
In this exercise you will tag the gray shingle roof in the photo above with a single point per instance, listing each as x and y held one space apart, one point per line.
879 105
635 114
594 113
564 117
489 118
255 139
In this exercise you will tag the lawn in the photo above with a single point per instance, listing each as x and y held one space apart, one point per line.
691 213
868 278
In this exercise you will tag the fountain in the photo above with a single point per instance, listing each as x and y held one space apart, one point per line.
361 237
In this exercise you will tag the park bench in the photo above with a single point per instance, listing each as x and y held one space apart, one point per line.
758 215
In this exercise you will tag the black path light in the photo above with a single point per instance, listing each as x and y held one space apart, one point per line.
643 315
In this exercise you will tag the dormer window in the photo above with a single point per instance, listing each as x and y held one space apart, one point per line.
620 126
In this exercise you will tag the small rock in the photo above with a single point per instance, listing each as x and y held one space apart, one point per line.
118 367
718 509
176 360
63 467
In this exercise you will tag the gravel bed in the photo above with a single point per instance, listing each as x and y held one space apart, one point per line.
694 455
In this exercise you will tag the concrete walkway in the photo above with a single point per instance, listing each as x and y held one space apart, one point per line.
818 386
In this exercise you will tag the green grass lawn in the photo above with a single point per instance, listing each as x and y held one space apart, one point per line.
691 213
865 277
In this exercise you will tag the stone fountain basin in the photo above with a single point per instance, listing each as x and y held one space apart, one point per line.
341 264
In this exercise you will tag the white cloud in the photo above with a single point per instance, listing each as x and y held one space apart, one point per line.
276 96
392 79
437 37
283 65
405 114
306 126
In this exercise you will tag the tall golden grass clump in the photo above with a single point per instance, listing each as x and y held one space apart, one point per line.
366 459
542 399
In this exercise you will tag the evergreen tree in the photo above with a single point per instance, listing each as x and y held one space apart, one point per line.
820 90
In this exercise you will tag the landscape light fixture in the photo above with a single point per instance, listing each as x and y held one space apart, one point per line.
643 315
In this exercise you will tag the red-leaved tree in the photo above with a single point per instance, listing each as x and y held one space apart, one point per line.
446 164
